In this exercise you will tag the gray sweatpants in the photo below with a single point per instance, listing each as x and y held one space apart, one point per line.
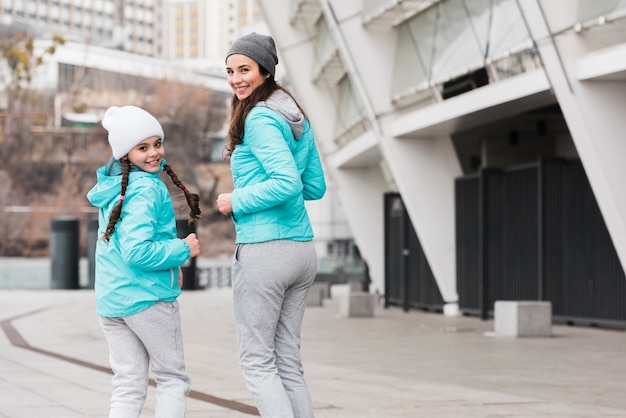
270 285
151 338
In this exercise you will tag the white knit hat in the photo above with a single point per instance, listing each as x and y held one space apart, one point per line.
128 126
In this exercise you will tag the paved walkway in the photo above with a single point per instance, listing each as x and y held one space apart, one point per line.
53 363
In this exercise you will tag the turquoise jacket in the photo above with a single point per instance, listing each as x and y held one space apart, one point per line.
274 172
139 264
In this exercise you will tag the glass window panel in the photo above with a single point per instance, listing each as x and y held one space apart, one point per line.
516 64
409 70
596 8
508 30
350 112
324 45
423 36
372 5
453 38
457 49
479 12
564 14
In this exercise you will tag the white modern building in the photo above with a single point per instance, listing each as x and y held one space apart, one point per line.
96 76
414 100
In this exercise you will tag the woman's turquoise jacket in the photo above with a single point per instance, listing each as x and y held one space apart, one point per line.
274 173
139 265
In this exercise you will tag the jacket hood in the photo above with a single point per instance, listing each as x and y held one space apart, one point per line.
282 103
109 182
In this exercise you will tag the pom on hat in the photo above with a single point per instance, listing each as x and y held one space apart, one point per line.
128 126
260 48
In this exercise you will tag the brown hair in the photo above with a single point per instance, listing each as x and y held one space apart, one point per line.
239 109
193 199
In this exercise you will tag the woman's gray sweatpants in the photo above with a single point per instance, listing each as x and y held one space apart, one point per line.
270 285
151 339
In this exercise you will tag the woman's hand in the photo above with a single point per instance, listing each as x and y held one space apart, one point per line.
223 204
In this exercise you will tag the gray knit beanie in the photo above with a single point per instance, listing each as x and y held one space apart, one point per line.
260 48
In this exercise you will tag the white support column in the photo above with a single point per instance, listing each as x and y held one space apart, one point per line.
424 170
362 192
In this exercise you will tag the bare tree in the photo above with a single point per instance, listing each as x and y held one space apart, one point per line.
19 58
18 54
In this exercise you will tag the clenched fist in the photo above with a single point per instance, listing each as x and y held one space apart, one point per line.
223 204
193 243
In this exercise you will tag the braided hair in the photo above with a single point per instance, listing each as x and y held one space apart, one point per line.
193 200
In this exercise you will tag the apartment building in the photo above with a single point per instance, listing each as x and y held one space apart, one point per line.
196 33
131 25
199 32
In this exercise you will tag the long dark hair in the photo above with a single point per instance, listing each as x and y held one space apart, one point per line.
239 109
193 200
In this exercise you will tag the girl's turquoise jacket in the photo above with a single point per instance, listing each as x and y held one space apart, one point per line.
139 265
273 174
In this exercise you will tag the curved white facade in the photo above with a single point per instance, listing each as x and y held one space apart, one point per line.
406 96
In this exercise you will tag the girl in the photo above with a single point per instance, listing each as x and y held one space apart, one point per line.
275 167
138 259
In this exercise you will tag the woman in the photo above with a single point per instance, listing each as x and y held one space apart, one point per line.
275 167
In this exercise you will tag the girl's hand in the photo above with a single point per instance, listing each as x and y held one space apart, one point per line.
223 204
193 243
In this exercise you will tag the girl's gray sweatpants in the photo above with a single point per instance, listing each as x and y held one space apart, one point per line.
270 285
149 340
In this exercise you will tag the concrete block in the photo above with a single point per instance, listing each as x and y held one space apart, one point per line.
339 291
523 318
315 297
356 284
357 304
324 286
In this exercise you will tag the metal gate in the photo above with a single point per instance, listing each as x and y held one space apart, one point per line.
409 281
536 233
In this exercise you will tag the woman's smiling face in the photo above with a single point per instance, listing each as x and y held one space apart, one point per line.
147 155
244 75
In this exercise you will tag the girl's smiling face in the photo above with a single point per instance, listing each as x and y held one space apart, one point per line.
244 75
147 155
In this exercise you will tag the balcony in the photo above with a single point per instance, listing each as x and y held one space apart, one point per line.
390 13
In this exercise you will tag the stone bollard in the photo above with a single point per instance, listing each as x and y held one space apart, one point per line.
357 304
316 294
